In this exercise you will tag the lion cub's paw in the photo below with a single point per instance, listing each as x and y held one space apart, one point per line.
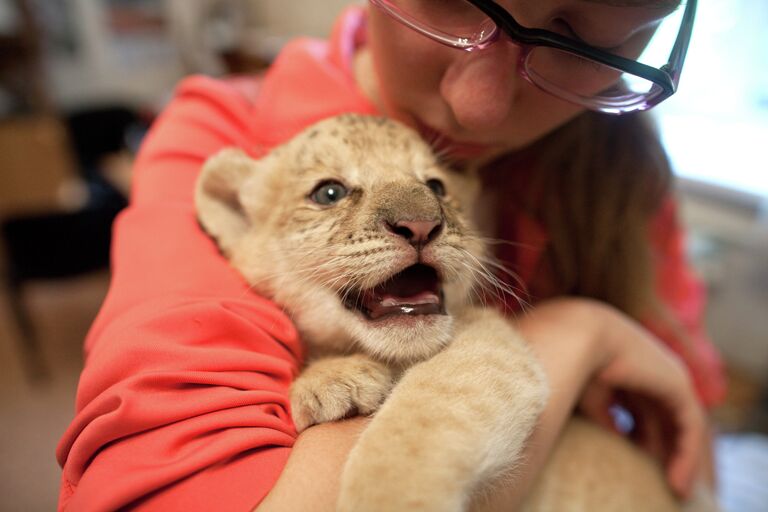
333 388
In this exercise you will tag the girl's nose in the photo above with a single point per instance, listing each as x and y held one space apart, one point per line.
480 86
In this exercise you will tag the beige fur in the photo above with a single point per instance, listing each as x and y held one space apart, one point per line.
457 394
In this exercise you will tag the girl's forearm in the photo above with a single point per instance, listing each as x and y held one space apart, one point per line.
310 479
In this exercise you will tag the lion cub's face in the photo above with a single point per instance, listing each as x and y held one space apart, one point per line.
353 227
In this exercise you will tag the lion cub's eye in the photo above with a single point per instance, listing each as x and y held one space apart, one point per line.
436 186
328 192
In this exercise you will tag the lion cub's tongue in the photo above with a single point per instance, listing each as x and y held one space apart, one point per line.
414 291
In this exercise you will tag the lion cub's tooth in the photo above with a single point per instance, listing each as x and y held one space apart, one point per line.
425 298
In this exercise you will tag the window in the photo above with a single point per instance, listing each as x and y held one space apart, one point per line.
716 127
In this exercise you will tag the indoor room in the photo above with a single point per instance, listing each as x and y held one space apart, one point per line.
84 84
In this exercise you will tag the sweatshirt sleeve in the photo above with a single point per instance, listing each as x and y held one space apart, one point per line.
684 297
183 400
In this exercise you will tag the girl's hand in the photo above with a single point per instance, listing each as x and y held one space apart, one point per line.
642 376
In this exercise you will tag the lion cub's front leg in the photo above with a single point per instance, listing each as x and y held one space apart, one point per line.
452 424
332 388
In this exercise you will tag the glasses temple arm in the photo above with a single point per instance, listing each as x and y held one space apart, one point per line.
679 50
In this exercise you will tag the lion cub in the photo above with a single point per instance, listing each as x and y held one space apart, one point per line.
356 229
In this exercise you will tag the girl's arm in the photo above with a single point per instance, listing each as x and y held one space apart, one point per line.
183 401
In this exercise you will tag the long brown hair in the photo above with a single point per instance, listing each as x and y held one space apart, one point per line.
598 181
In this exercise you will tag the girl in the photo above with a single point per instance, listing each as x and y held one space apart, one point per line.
183 398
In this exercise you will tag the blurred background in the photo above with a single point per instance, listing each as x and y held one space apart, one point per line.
82 80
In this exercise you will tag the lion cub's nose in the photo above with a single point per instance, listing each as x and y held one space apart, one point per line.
417 232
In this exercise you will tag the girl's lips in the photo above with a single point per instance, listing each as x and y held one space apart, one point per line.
449 148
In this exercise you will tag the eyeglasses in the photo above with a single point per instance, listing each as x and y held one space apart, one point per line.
564 67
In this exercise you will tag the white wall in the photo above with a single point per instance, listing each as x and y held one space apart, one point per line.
295 17
272 22
110 68
144 70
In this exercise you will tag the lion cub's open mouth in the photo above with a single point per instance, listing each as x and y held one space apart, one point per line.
414 291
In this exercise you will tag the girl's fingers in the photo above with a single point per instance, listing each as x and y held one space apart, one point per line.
670 419
650 425
596 403
681 470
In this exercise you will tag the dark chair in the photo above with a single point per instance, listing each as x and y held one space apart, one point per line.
51 246
67 244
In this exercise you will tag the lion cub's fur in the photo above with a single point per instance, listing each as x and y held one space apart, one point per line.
457 395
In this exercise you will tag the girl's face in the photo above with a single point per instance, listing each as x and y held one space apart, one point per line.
476 105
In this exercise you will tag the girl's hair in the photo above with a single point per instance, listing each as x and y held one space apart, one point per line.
598 182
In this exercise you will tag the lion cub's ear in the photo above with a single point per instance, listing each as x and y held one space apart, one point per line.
217 197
